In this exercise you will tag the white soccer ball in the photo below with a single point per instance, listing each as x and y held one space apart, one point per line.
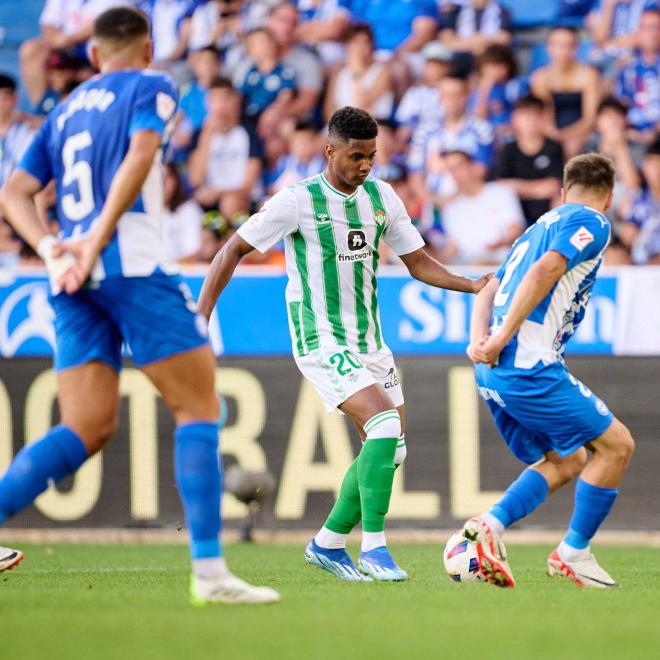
461 560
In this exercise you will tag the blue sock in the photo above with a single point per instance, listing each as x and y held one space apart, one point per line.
199 480
524 495
592 505
58 453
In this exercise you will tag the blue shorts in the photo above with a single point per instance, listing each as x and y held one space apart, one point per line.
546 409
154 316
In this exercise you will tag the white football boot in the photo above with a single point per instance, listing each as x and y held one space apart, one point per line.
229 590
585 572
9 558
491 551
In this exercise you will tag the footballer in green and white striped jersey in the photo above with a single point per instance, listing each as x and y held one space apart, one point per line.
332 243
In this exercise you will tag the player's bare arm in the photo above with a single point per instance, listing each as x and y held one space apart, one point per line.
481 313
17 204
535 286
423 267
124 190
222 268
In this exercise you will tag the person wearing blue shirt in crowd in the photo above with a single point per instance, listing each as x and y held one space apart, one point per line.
268 85
205 64
498 88
638 83
399 26
112 283
456 131
521 323
614 25
322 26
641 231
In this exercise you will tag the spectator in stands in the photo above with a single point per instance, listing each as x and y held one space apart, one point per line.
362 82
399 26
15 135
226 165
611 139
457 130
532 164
170 21
641 232
419 104
390 161
322 26
613 26
205 65
497 87
269 85
570 89
638 83
302 160
62 72
283 23
471 27
182 218
482 220
66 25
218 23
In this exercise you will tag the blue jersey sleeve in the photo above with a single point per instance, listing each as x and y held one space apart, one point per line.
155 104
581 237
36 159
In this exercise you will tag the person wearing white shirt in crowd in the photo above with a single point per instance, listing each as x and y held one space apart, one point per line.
170 20
420 103
182 218
322 25
483 220
363 82
65 25
225 168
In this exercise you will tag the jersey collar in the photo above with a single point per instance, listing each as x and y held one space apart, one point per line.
339 192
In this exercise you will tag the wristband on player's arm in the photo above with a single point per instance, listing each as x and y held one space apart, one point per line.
55 266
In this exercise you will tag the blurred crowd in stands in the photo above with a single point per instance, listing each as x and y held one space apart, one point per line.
476 117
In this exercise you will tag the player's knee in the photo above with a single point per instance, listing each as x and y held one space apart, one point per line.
624 446
201 407
385 424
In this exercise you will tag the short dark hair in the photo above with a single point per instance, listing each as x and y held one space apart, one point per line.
653 149
565 28
211 49
612 103
458 152
359 28
454 75
221 82
594 172
500 54
529 102
304 124
121 25
7 82
350 123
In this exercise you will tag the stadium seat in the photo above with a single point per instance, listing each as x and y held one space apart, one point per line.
527 14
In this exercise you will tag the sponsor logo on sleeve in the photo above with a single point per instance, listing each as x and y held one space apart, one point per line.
581 238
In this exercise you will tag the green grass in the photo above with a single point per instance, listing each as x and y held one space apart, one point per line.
75 601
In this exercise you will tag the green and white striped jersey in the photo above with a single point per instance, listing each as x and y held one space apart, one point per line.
331 250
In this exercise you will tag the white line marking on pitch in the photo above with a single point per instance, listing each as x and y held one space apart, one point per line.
106 569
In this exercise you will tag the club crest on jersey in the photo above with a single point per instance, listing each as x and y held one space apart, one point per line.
380 217
165 106
581 238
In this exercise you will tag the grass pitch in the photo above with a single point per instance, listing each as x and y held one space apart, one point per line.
101 601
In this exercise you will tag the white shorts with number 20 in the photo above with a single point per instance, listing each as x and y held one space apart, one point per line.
337 373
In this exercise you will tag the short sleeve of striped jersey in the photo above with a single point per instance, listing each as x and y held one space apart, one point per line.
276 219
399 234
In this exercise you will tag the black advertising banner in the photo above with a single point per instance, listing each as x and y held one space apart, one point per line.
456 467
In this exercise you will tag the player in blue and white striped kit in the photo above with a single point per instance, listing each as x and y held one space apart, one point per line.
521 323
111 283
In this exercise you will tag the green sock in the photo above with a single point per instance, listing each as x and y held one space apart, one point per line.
375 468
345 513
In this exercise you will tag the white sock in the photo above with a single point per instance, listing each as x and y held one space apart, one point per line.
330 540
495 524
371 540
569 553
210 568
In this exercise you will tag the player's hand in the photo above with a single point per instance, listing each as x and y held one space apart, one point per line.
487 351
85 253
479 284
